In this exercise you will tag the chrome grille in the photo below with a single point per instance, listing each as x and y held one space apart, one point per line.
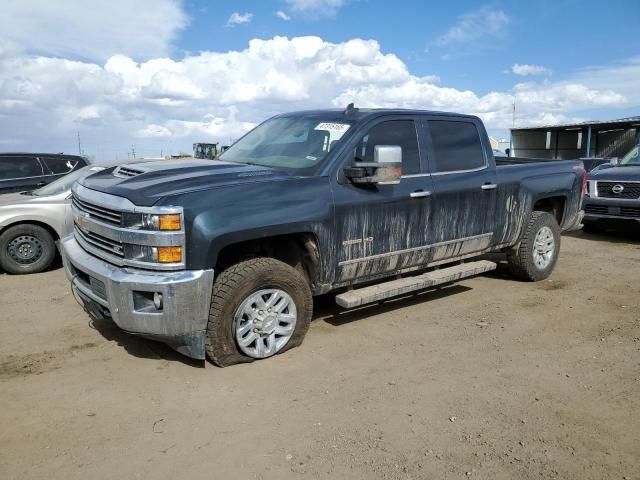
109 227
97 212
630 190
98 241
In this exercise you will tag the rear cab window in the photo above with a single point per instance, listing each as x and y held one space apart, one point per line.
16 167
457 146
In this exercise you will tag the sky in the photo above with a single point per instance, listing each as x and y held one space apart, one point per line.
154 76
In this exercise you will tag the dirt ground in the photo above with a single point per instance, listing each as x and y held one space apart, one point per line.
490 378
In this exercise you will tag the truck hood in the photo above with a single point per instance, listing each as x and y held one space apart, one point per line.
617 174
146 183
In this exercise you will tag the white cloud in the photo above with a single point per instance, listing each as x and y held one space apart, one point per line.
283 15
484 23
154 131
165 104
316 8
238 19
526 69
81 29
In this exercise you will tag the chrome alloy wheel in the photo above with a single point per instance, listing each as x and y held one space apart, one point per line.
25 249
264 322
543 248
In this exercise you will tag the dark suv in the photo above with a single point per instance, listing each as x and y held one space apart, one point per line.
28 171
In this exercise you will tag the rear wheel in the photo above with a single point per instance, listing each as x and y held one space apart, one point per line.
259 308
26 249
537 253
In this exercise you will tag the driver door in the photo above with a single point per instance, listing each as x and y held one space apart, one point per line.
382 228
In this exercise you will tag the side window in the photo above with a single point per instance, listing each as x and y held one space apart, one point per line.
456 146
392 132
19 167
60 165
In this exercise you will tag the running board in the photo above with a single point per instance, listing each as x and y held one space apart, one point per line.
393 288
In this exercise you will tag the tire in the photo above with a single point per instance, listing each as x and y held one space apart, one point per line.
522 257
234 288
25 249
592 227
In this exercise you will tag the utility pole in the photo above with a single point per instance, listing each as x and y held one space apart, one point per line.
79 144
133 152
513 125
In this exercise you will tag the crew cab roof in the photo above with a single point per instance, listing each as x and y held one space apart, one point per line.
366 113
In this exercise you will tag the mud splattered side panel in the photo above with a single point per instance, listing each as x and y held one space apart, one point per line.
381 228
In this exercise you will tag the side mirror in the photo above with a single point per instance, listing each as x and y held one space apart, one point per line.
386 168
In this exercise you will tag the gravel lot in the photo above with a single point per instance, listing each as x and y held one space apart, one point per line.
490 378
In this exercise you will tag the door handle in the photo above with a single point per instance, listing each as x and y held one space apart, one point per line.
420 194
489 186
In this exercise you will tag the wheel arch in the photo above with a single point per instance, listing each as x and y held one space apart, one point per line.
299 250
54 233
553 204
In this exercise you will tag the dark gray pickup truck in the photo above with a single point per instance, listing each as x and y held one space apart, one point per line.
221 259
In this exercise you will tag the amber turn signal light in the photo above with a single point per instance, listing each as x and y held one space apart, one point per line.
169 254
169 222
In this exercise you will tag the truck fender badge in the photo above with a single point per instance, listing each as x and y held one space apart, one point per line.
617 189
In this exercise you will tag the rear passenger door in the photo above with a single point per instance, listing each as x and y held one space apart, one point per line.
464 188
19 173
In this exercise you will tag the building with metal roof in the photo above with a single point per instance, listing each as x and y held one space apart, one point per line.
593 139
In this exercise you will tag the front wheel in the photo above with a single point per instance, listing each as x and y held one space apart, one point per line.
537 253
259 308
26 248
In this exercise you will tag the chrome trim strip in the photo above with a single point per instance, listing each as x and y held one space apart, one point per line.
420 194
415 175
462 171
410 250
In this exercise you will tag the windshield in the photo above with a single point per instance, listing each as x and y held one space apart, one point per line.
288 142
64 184
631 158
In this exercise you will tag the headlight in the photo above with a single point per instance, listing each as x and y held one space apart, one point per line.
143 253
161 222
153 221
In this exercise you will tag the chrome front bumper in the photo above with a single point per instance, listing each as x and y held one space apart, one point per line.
126 295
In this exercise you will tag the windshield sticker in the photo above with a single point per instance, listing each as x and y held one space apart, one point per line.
333 127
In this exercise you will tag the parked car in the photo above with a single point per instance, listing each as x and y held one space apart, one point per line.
222 258
613 194
28 171
32 221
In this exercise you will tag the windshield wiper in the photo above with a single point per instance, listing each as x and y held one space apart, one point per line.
31 193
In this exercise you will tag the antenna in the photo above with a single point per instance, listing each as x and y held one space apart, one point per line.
350 110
